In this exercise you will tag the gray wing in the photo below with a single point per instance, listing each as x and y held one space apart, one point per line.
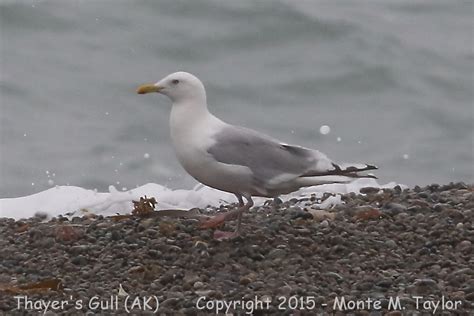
267 158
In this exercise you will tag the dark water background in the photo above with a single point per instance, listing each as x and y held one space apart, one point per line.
393 80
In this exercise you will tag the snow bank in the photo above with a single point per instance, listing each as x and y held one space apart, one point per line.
73 201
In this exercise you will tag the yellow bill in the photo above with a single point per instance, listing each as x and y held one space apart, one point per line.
148 88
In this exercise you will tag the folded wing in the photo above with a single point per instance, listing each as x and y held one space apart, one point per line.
273 162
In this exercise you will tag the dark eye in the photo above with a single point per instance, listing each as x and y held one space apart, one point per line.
175 81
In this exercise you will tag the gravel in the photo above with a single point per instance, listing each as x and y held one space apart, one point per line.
383 245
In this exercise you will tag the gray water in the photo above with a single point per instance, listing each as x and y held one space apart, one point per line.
393 80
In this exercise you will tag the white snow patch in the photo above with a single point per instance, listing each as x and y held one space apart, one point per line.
70 200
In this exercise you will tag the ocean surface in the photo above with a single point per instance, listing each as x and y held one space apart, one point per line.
392 79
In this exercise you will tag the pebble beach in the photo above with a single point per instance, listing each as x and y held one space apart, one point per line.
384 252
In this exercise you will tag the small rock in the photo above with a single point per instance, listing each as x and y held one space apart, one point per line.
41 215
296 213
470 297
244 280
401 217
365 213
256 285
395 208
464 271
368 190
423 194
136 269
335 275
464 246
205 293
172 301
247 279
458 295
79 260
276 253
68 233
425 286
79 249
277 201
190 278
285 290
320 215
45 242
385 282
130 240
438 207
363 285
452 213
35 233
414 208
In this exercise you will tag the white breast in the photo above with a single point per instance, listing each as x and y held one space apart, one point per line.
192 134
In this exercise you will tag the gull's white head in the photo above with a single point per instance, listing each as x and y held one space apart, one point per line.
179 87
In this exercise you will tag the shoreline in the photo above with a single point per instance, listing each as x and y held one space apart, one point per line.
409 249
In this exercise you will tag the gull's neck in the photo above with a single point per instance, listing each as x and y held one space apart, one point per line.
190 118
191 105
189 109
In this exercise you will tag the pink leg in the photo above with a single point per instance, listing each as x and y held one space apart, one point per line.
219 219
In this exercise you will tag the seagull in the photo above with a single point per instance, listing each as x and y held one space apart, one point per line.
237 159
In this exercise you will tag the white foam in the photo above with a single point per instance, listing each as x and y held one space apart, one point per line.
324 129
71 200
